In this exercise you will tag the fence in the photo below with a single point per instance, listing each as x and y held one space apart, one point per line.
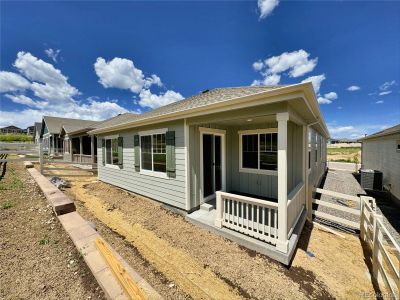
383 247
250 216
295 206
8 151
334 218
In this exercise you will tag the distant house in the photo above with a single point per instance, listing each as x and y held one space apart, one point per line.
11 130
36 132
30 130
50 132
381 151
240 161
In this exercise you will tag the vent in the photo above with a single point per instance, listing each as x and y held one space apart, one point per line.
371 179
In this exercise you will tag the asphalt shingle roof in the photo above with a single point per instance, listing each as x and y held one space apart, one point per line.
392 130
54 123
202 99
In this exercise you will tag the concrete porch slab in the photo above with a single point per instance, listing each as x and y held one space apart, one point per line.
205 219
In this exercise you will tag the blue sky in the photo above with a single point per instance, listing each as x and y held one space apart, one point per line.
97 59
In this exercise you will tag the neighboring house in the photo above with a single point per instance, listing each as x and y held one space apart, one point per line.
53 144
36 132
254 153
381 151
30 130
11 130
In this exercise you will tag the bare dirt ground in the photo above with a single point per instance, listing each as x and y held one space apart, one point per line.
181 260
37 258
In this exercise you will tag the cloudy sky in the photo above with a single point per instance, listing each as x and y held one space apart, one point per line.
94 60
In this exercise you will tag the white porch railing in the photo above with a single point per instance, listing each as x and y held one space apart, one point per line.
295 206
251 216
82 158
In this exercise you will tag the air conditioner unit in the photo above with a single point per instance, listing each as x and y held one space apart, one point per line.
371 179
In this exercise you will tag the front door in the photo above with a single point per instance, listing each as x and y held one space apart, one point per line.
212 165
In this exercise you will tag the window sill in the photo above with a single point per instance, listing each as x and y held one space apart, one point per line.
112 166
153 174
257 171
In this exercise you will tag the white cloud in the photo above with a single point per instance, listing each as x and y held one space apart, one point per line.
22 99
323 100
353 88
266 7
351 131
331 96
385 93
379 102
258 65
339 107
11 82
48 82
316 81
121 73
53 54
386 85
272 79
296 63
147 99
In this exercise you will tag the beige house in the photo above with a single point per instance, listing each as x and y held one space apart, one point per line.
240 162
381 151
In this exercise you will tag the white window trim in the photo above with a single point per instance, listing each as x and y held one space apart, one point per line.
150 172
258 132
110 137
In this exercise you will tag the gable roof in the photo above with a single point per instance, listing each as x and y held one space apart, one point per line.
54 124
392 130
11 127
38 127
204 98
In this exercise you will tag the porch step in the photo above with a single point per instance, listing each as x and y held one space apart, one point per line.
206 207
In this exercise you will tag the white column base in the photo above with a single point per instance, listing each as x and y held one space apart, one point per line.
218 223
282 246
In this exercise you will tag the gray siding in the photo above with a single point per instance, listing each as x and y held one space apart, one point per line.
381 154
168 190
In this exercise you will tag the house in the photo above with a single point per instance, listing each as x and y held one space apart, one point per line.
240 162
30 130
36 132
53 144
381 151
11 130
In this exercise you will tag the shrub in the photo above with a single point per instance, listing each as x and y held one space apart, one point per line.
15 138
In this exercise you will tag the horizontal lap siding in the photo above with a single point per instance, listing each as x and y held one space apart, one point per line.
166 190
294 155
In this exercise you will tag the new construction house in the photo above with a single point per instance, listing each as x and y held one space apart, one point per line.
240 161
64 137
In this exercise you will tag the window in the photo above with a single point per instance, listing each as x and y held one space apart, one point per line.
259 151
112 151
316 147
398 146
153 152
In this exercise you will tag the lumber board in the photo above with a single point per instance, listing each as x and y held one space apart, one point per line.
338 207
128 284
337 195
336 219
69 169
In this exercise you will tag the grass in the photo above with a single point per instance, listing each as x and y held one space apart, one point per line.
13 182
7 205
343 151
44 241
15 138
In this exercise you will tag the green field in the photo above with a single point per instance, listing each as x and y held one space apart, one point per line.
345 154
15 138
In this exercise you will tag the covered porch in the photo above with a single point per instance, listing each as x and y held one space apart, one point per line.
248 177
78 147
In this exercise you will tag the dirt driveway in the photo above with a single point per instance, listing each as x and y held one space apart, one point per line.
174 255
37 258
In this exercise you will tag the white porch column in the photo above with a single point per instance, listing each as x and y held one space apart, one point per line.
80 148
52 142
92 148
282 243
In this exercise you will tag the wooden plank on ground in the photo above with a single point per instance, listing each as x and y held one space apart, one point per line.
69 169
128 284
337 195
338 207
335 219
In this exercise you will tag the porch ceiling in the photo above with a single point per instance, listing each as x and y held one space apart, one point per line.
262 120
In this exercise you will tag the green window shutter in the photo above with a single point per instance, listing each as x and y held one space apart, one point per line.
170 143
136 144
103 148
120 151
